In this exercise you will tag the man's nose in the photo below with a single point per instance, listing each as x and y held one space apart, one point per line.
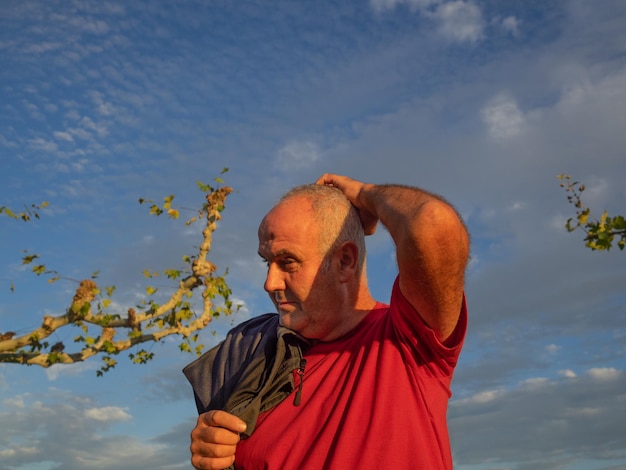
274 280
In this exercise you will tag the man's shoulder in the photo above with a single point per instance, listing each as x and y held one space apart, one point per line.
258 324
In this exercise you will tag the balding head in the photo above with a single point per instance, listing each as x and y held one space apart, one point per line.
336 217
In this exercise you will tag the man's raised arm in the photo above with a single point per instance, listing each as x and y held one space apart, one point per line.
432 245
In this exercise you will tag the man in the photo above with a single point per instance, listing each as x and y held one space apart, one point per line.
372 388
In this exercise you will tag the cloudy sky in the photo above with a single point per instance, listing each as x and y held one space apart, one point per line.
484 102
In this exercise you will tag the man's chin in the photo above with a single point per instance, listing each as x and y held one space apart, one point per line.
287 320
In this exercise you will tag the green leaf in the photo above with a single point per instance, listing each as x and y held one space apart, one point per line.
84 310
172 273
53 358
8 212
29 259
167 201
155 210
134 334
109 347
205 188
39 269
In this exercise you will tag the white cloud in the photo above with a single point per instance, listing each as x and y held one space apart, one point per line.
16 402
460 21
552 348
42 47
90 25
297 155
74 188
570 374
68 370
381 5
516 206
64 136
528 422
39 143
503 117
480 398
116 451
72 114
534 382
80 165
584 412
604 373
103 107
107 413
18 451
72 432
6 142
100 129
511 25
80 133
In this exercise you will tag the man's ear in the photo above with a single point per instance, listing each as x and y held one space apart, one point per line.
348 255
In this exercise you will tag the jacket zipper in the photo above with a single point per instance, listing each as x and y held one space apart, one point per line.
300 372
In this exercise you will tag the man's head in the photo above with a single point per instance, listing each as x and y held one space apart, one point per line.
313 243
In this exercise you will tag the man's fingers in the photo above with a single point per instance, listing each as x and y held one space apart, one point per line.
213 435
328 179
325 179
212 449
223 420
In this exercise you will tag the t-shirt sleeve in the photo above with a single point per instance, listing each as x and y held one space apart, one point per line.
420 340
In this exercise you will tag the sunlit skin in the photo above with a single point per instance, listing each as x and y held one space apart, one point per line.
318 304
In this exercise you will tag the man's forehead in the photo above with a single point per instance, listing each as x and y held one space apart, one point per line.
287 228
294 203
294 209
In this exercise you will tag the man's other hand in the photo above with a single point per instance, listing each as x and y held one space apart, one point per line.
214 440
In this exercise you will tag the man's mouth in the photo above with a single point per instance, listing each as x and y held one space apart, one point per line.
284 304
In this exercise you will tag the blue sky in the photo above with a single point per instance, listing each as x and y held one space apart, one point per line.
484 102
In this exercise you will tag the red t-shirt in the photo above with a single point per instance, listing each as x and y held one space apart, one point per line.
374 399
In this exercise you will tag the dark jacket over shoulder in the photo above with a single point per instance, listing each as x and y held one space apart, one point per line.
249 372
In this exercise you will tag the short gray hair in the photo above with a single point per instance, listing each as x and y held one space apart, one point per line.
337 218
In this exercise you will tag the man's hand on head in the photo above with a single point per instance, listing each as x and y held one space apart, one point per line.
353 190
